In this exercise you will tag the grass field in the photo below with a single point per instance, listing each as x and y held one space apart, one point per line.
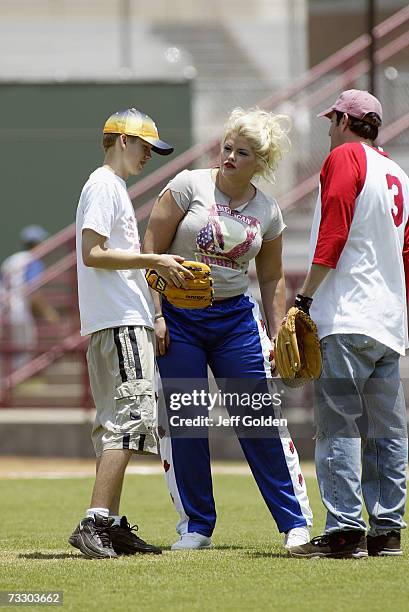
247 570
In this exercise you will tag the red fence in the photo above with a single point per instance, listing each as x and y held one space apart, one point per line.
63 343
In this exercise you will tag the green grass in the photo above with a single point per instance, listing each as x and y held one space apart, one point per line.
247 569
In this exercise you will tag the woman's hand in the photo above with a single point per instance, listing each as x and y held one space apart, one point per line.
162 336
274 371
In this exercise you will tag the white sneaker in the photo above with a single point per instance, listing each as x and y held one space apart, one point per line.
192 541
297 537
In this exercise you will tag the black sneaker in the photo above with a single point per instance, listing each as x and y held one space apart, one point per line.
385 545
345 544
92 537
126 542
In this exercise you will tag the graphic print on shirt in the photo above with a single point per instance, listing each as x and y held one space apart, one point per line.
395 186
131 232
227 236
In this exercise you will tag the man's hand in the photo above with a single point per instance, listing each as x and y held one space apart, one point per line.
169 266
196 291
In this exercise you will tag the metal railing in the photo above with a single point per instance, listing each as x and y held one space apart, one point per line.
338 60
317 86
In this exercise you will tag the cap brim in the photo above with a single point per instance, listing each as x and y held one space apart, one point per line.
158 146
326 113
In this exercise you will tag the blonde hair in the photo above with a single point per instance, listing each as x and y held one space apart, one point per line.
266 133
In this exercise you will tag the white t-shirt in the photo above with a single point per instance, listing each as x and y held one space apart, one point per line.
110 298
361 231
211 232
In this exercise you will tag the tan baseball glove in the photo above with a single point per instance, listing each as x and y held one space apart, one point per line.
199 290
297 349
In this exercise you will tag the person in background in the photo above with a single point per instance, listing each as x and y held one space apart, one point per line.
21 310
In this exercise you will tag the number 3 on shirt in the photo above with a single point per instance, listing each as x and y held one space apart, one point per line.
397 212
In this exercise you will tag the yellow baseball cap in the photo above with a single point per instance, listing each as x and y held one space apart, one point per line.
134 123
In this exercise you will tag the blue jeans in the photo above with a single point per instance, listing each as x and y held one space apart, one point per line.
361 437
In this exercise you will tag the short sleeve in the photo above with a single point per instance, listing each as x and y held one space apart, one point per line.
276 224
181 188
99 209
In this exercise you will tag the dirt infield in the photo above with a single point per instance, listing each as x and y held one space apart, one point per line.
54 467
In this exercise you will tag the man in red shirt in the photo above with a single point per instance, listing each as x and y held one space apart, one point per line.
358 262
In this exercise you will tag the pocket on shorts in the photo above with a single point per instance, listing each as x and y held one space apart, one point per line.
135 407
359 343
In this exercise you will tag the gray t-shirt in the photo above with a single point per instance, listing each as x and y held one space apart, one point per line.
212 233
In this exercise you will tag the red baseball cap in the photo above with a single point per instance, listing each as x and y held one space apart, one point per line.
355 102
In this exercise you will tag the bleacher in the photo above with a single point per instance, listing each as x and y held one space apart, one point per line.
56 375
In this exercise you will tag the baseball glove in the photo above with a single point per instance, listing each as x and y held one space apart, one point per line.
199 291
297 349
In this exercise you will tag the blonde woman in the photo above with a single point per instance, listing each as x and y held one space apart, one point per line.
219 216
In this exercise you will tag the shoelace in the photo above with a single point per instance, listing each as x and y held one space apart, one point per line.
125 525
104 536
132 528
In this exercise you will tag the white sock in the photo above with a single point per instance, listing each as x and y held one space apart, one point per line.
91 512
117 520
